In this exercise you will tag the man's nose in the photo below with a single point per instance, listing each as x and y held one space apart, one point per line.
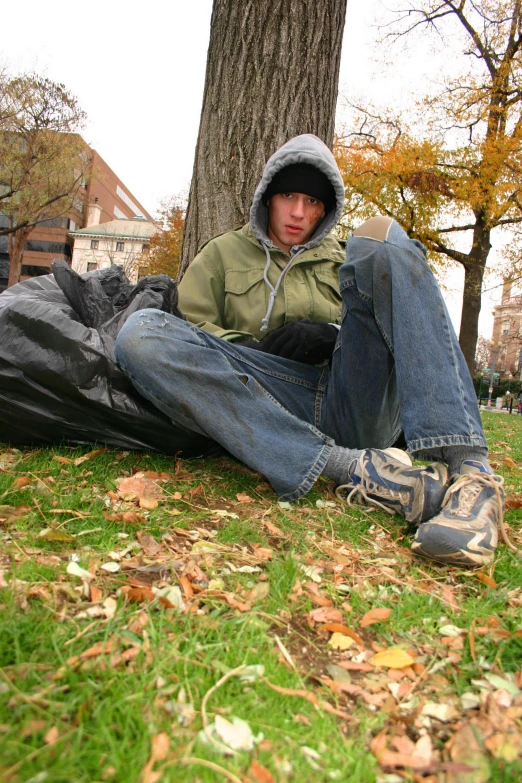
298 208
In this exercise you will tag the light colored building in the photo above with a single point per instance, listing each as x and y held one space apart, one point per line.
507 330
102 189
120 242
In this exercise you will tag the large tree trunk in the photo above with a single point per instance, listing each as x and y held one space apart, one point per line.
272 73
16 244
471 301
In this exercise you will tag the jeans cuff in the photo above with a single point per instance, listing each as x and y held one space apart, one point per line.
313 475
422 444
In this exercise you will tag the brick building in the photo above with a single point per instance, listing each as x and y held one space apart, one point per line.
51 239
507 330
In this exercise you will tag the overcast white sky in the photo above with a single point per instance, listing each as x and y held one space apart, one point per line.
138 71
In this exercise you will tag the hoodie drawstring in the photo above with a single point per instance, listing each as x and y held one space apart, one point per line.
274 289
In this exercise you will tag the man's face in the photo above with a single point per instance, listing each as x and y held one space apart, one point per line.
292 219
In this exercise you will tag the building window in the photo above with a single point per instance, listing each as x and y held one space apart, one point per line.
95 244
119 214
120 247
505 326
91 266
144 248
72 225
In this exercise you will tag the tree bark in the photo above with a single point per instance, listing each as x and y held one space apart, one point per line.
272 73
471 300
16 245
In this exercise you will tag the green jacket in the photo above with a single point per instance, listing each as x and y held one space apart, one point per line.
224 293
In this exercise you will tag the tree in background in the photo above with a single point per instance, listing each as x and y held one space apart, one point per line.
460 177
278 79
43 162
164 251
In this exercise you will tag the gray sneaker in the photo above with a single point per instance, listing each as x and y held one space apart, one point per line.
465 533
388 480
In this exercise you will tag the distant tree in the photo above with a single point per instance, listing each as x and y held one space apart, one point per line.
461 174
43 161
164 251
482 354
272 73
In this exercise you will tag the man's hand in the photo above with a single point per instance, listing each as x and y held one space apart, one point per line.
301 341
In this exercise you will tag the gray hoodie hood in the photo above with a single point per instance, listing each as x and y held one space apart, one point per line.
301 149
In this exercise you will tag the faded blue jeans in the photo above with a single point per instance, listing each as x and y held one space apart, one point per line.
397 365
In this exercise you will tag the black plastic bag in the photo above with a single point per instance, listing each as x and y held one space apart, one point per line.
58 377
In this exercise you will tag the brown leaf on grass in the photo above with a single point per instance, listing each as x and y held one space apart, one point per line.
148 543
509 463
21 482
466 747
393 658
244 498
52 736
138 594
149 504
317 597
96 593
192 493
342 629
355 666
272 528
514 501
377 615
138 487
258 593
159 750
325 614
231 600
486 579
90 455
100 648
10 512
62 460
132 517
33 727
259 774
263 552
309 696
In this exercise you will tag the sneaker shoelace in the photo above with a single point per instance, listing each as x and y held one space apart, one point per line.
360 491
470 493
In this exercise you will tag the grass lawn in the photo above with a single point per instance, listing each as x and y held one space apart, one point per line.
166 620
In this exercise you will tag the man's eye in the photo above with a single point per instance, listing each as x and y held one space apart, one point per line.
312 201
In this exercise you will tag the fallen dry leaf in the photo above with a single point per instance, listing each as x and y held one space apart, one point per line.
258 593
139 487
62 460
21 482
393 658
244 498
466 747
259 774
90 455
148 543
340 642
52 736
377 615
325 614
272 528
159 750
149 504
342 629
485 579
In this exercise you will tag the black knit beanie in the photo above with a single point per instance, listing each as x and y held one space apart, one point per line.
302 178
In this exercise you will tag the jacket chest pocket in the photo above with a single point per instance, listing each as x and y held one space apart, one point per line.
327 298
245 299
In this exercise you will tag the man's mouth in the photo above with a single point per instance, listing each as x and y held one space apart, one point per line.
294 229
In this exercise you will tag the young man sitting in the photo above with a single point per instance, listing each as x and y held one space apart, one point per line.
302 360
